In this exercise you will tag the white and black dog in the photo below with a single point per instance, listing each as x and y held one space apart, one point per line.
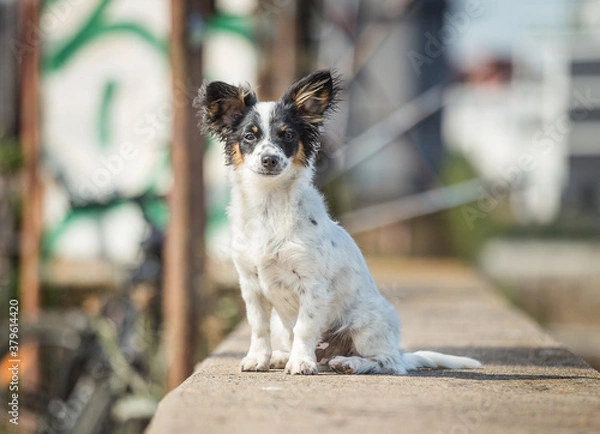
290 256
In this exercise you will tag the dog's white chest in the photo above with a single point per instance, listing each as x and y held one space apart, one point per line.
260 239
270 260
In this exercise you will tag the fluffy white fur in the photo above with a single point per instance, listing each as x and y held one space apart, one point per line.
294 260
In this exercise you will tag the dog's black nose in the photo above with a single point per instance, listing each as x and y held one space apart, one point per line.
270 161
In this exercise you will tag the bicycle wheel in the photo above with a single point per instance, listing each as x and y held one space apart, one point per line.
58 377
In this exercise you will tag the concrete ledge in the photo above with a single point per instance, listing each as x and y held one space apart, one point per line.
529 383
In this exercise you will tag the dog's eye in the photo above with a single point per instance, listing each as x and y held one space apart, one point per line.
288 136
249 137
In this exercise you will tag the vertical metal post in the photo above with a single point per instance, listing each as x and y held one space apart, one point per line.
31 230
201 301
184 248
175 266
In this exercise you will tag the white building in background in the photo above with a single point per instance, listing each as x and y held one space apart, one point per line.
525 129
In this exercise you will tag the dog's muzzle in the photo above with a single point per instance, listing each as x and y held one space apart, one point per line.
270 165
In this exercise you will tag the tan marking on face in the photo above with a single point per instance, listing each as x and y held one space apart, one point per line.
237 158
212 110
254 129
300 157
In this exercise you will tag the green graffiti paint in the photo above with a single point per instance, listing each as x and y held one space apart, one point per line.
97 26
104 136
102 27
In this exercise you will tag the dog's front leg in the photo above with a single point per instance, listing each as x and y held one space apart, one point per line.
312 315
258 312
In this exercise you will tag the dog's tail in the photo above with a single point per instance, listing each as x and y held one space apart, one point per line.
431 359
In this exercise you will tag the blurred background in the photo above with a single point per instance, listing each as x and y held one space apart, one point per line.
469 130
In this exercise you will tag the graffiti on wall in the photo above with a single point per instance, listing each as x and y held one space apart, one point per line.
106 105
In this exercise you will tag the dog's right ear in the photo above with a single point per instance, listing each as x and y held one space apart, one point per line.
221 106
314 96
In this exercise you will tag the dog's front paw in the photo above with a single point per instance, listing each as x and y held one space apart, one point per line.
301 366
279 359
255 362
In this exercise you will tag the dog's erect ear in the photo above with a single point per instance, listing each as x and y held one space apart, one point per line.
221 106
313 96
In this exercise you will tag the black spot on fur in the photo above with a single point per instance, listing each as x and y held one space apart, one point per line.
311 315
278 284
380 363
333 244
313 221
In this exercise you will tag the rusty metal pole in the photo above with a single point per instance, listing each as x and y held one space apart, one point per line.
197 13
31 229
184 248
175 262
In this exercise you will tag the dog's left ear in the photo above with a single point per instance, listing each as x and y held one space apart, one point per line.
221 106
313 96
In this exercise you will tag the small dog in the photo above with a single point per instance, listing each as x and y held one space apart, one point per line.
290 256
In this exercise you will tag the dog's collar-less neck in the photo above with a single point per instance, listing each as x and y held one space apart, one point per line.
256 193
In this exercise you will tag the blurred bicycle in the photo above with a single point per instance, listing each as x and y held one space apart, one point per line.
99 373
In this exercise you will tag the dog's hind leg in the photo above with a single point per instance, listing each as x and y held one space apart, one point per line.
382 364
375 345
